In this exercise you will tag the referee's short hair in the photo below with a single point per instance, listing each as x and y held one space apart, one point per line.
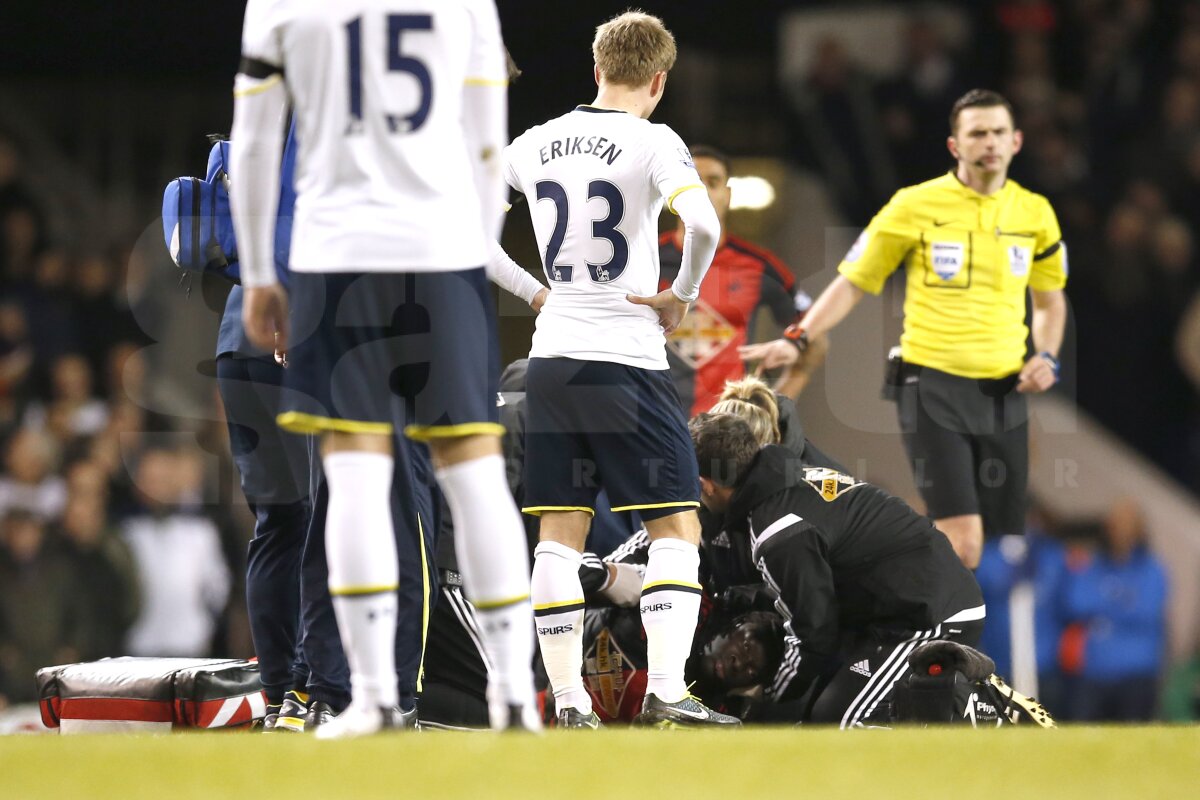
725 447
979 98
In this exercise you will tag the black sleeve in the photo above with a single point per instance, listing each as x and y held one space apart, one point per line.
792 556
257 68
512 417
775 296
592 576
635 550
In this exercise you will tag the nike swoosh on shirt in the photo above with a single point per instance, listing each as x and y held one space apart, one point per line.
938 224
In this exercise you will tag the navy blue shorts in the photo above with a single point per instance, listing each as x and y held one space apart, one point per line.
377 351
592 424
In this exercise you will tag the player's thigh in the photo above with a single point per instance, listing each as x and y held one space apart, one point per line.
941 456
560 472
644 452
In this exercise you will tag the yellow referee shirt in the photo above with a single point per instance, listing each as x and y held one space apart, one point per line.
969 259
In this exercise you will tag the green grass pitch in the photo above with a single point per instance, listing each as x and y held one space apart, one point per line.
1072 762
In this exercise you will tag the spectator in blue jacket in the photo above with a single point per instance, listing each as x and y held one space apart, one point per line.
1118 601
1023 579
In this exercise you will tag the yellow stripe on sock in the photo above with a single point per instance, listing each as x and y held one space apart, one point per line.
492 605
547 606
352 591
681 584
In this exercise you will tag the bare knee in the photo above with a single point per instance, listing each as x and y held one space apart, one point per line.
965 533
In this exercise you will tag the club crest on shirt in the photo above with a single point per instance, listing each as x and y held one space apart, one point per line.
685 157
947 258
1018 259
606 672
829 483
703 334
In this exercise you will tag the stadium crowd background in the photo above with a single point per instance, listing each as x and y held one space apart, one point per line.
122 530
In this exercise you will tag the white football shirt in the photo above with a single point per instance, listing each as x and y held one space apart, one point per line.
595 181
383 179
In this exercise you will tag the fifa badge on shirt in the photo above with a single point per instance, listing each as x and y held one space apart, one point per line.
1018 259
947 258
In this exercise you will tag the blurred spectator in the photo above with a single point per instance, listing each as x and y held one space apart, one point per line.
839 132
1030 83
29 483
125 377
72 406
14 194
101 315
184 578
50 309
107 581
1116 608
20 236
40 613
1059 164
1023 579
914 104
16 359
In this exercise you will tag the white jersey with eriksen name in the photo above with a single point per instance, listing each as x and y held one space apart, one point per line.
595 181
383 179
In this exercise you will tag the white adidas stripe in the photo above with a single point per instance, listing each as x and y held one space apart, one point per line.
781 524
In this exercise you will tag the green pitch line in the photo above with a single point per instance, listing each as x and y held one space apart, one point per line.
1091 763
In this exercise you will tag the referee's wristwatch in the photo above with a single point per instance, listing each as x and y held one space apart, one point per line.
796 334
1053 362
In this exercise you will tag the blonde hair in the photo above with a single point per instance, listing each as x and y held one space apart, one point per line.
753 401
630 48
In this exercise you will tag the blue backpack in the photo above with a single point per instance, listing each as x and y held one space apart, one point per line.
197 225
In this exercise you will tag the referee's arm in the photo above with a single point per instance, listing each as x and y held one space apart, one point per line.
1049 322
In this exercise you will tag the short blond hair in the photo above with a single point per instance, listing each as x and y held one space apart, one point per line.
753 401
630 48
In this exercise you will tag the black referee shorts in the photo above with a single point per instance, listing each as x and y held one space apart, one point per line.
374 352
968 443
